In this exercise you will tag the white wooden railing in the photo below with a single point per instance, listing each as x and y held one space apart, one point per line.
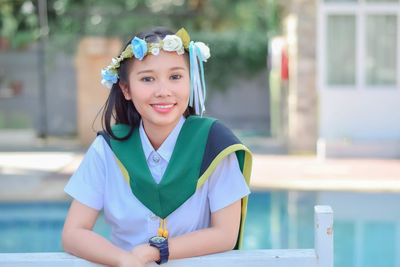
320 256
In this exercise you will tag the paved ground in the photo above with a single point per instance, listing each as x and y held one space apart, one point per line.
310 173
41 172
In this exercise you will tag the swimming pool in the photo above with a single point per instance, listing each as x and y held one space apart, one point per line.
366 225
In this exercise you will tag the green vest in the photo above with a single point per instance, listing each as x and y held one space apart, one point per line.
201 145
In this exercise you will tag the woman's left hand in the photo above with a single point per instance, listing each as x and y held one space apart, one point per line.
146 253
131 261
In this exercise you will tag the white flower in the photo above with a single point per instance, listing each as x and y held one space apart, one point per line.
107 83
155 51
181 51
204 49
172 43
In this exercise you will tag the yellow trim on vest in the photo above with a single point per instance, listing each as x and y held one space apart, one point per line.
124 172
243 218
248 160
221 156
246 174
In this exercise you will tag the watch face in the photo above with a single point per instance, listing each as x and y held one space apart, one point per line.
158 239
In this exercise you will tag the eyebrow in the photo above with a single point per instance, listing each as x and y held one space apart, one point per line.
178 68
173 68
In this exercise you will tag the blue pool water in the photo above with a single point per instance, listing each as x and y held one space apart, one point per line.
366 225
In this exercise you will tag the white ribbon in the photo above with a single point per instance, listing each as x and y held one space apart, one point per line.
197 84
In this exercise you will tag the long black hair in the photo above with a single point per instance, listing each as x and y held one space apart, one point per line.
117 107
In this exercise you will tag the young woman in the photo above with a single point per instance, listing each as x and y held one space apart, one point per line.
172 184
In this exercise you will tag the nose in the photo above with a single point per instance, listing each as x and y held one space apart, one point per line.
162 89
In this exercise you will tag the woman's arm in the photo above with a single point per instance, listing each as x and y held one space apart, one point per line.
221 236
79 239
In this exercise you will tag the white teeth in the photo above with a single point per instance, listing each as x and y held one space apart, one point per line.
164 106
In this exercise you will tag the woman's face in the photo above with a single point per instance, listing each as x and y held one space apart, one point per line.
159 87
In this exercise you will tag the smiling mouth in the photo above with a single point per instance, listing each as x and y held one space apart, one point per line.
163 106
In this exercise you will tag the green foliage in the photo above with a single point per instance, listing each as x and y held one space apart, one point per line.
236 31
233 53
18 22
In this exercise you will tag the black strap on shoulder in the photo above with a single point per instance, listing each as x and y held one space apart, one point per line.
219 138
105 135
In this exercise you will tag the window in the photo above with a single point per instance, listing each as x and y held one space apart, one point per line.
381 50
360 44
340 50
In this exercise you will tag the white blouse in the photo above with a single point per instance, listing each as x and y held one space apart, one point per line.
99 184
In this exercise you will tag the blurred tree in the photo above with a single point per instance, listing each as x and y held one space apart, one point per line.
18 22
237 31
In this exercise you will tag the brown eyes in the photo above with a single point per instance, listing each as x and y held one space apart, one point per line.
172 77
147 79
176 77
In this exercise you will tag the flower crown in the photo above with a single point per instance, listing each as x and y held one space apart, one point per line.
179 42
138 48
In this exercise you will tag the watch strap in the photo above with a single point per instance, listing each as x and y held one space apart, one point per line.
164 251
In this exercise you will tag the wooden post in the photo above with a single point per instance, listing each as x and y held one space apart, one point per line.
94 53
323 235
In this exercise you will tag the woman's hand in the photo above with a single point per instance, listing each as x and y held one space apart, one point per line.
221 236
139 256
146 253
131 260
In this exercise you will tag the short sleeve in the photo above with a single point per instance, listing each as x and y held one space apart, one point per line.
87 183
226 184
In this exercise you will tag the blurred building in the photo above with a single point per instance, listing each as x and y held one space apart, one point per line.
20 103
343 87
334 84
73 98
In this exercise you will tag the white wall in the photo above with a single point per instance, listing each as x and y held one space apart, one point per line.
359 115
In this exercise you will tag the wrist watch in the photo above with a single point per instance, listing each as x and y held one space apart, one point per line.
161 243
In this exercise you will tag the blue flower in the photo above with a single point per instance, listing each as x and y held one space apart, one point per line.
108 76
139 48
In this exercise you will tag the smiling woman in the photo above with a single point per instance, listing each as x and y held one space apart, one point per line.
159 88
172 184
